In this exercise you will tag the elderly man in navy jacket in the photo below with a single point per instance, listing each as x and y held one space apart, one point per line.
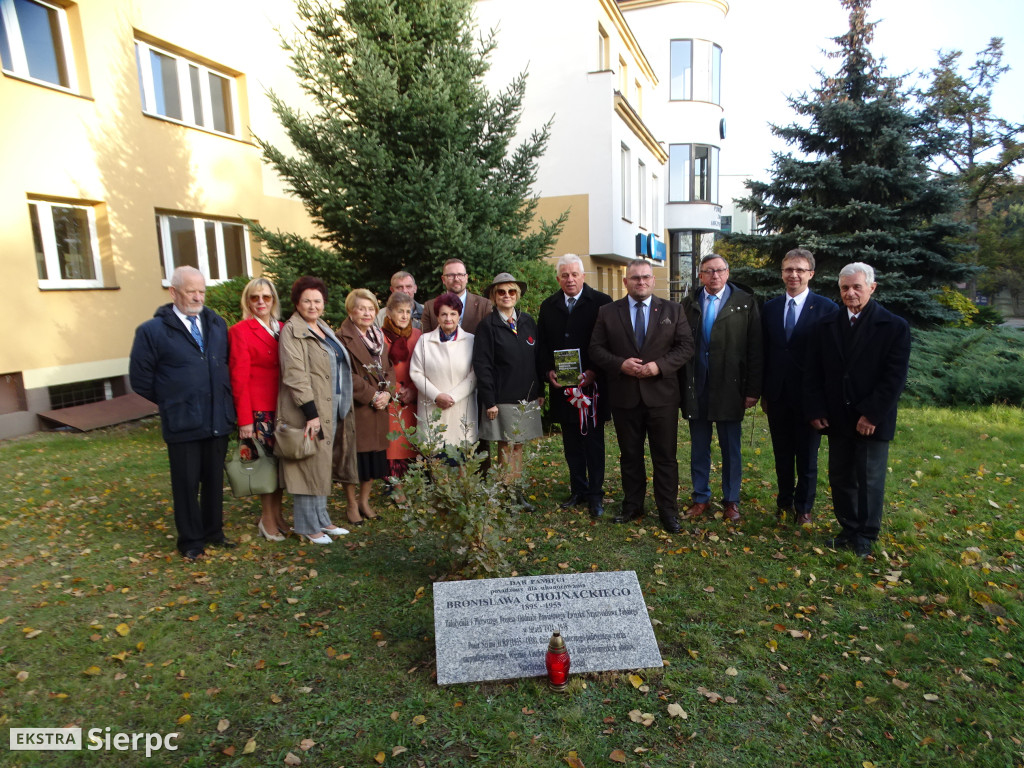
180 361
857 368
786 322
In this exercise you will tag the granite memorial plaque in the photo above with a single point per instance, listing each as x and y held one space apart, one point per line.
494 629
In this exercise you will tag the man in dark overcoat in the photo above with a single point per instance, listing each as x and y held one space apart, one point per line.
721 381
856 370
566 322
179 360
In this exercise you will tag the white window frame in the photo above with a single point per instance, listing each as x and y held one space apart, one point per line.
202 253
626 187
143 51
16 45
48 235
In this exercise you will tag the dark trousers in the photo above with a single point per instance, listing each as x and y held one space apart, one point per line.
856 471
730 439
197 487
584 455
659 427
795 444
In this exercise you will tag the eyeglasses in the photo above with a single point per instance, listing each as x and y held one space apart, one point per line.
641 278
454 274
710 272
265 298
506 291
795 271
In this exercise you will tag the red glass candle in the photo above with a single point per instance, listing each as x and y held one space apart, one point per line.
557 662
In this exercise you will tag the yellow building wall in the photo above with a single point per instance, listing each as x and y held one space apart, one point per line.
98 147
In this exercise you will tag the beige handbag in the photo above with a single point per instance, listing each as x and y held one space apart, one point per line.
291 442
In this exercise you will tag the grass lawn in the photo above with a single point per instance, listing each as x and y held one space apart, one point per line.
778 651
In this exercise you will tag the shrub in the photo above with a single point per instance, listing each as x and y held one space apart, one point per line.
223 299
955 367
988 317
963 306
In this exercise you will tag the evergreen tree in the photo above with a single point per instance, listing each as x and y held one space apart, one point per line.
860 188
405 159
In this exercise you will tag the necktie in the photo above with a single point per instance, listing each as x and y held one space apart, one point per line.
709 316
512 325
640 327
853 320
790 318
195 331
570 303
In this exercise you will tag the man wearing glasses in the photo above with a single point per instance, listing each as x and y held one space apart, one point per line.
641 342
787 324
474 308
721 381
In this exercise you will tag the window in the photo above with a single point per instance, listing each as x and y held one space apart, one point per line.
626 187
34 42
641 188
184 91
623 78
695 71
67 249
639 90
655 205
218 249
604 59
692 173
681 73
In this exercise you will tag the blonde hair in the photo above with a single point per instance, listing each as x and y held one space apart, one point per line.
252 285
355 295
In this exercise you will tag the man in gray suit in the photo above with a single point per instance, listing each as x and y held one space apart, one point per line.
641 341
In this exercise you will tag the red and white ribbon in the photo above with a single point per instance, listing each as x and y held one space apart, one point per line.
585 404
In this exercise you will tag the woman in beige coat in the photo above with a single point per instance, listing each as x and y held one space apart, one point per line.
442 370
316 391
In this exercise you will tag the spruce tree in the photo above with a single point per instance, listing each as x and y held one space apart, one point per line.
859 187
405 159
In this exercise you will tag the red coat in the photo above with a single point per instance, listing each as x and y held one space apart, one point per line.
255 370
403 415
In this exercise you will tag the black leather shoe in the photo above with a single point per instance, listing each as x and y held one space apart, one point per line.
862 547
573 501
596 508
193 554
839 541
628 516
224 543
669 522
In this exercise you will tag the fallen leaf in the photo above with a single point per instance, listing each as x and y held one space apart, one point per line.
636 715
732 671
930 697
275 699
900 684
419 720
223 725
33 633
574 761
380 757
636 680
122 629
398 750
674 710
709 589
250 747
292 759
395 716
229 751
22 676
94 670
617 756
989 660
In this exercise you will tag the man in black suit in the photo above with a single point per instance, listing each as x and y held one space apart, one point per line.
179 360
566 322
641 341
856 369
786 324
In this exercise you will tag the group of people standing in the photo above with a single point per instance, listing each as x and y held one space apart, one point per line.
481 363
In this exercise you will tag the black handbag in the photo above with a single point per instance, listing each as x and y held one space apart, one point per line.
252 470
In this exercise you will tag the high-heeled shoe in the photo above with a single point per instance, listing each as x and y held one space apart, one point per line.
323 538
348 514
367 512
335 531
269 536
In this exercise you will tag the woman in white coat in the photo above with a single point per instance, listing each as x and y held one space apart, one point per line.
442 370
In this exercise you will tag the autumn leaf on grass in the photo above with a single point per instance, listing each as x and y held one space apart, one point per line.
1019 535
229 751
93 670
636 680
674 710
122 629
419 720
184 719
574 761
250 747
711 696
22 676
398 750
222 725
306 744
731 671
645 718
617 756
292 759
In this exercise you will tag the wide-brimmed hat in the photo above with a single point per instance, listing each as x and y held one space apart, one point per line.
500 279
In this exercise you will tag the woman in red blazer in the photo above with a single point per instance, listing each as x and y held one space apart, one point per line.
255 373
